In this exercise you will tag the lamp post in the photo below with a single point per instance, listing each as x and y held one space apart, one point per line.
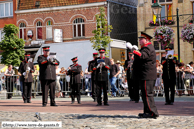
156 7
178 38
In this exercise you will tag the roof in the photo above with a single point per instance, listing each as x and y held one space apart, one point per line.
30 4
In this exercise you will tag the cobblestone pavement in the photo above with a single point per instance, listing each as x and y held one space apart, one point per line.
90 121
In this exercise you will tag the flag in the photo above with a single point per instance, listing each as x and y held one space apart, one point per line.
169 12
154 19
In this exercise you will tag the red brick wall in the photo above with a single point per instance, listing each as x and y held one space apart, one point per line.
9 20
62 19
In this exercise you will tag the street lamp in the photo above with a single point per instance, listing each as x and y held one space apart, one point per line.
156 7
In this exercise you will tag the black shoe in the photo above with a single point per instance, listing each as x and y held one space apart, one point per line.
44 105
99 104
79 102
25 101
106 104
136 101
131 100
72 102
167 103
171 103
29 101
140 115
54 104
149 116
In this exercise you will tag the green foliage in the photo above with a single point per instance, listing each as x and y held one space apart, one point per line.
12 46
101 39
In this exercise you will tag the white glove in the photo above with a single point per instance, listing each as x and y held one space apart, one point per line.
48 57
103 63
24 73
28 68
98 66
135 47
129 45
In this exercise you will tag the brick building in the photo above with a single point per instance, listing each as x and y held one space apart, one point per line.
145 15
7 13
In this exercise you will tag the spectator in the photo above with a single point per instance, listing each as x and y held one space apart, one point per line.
9 80
35 81
87 80
159 73
192 77
121 74
180 75
58 87
114 72
188 78
124 86
63 81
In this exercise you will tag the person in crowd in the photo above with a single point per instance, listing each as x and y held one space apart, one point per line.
147 75
121 74
192 77
124 86
93 76
47 75
159 73
169 76
35 81
187 78
102 66
9 80
114 72
180 79
64 86
74 71
130 81
26 69
87 80
58 92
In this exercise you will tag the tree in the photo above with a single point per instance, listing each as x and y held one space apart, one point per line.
101 39
12 46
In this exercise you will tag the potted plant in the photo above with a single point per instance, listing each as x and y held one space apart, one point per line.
164 35
187 33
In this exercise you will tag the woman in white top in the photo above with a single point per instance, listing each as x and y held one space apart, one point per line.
58 87
87 81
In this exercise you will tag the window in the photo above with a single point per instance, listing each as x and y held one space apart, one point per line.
39 30
22 31
166 11
6 9
78 27
1 35
49 30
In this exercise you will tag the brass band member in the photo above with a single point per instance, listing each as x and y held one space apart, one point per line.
26 69
47 75
75 80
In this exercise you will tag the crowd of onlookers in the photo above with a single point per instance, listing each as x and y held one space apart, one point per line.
117 84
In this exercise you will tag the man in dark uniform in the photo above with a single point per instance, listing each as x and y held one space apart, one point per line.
128 69
75 80
147 75
47 76
26 69
102 66
169 76
93 77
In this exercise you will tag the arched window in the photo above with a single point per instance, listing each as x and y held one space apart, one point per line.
22 33
49 30
39 30
78 27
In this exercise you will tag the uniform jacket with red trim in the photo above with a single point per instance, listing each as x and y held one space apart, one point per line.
23 67
128 69
74 73
147 63
47 68
103 75
169 68
90 69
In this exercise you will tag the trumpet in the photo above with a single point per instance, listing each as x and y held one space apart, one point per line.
169 56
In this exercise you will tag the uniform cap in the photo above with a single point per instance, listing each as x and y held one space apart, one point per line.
46 48
168 48
94 54
102 50
74 58
146 36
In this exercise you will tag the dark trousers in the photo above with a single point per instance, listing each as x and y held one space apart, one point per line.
169 84
48 84
94 89
102 85
9 86
147 88
27 90
130 88
136 85
75 91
